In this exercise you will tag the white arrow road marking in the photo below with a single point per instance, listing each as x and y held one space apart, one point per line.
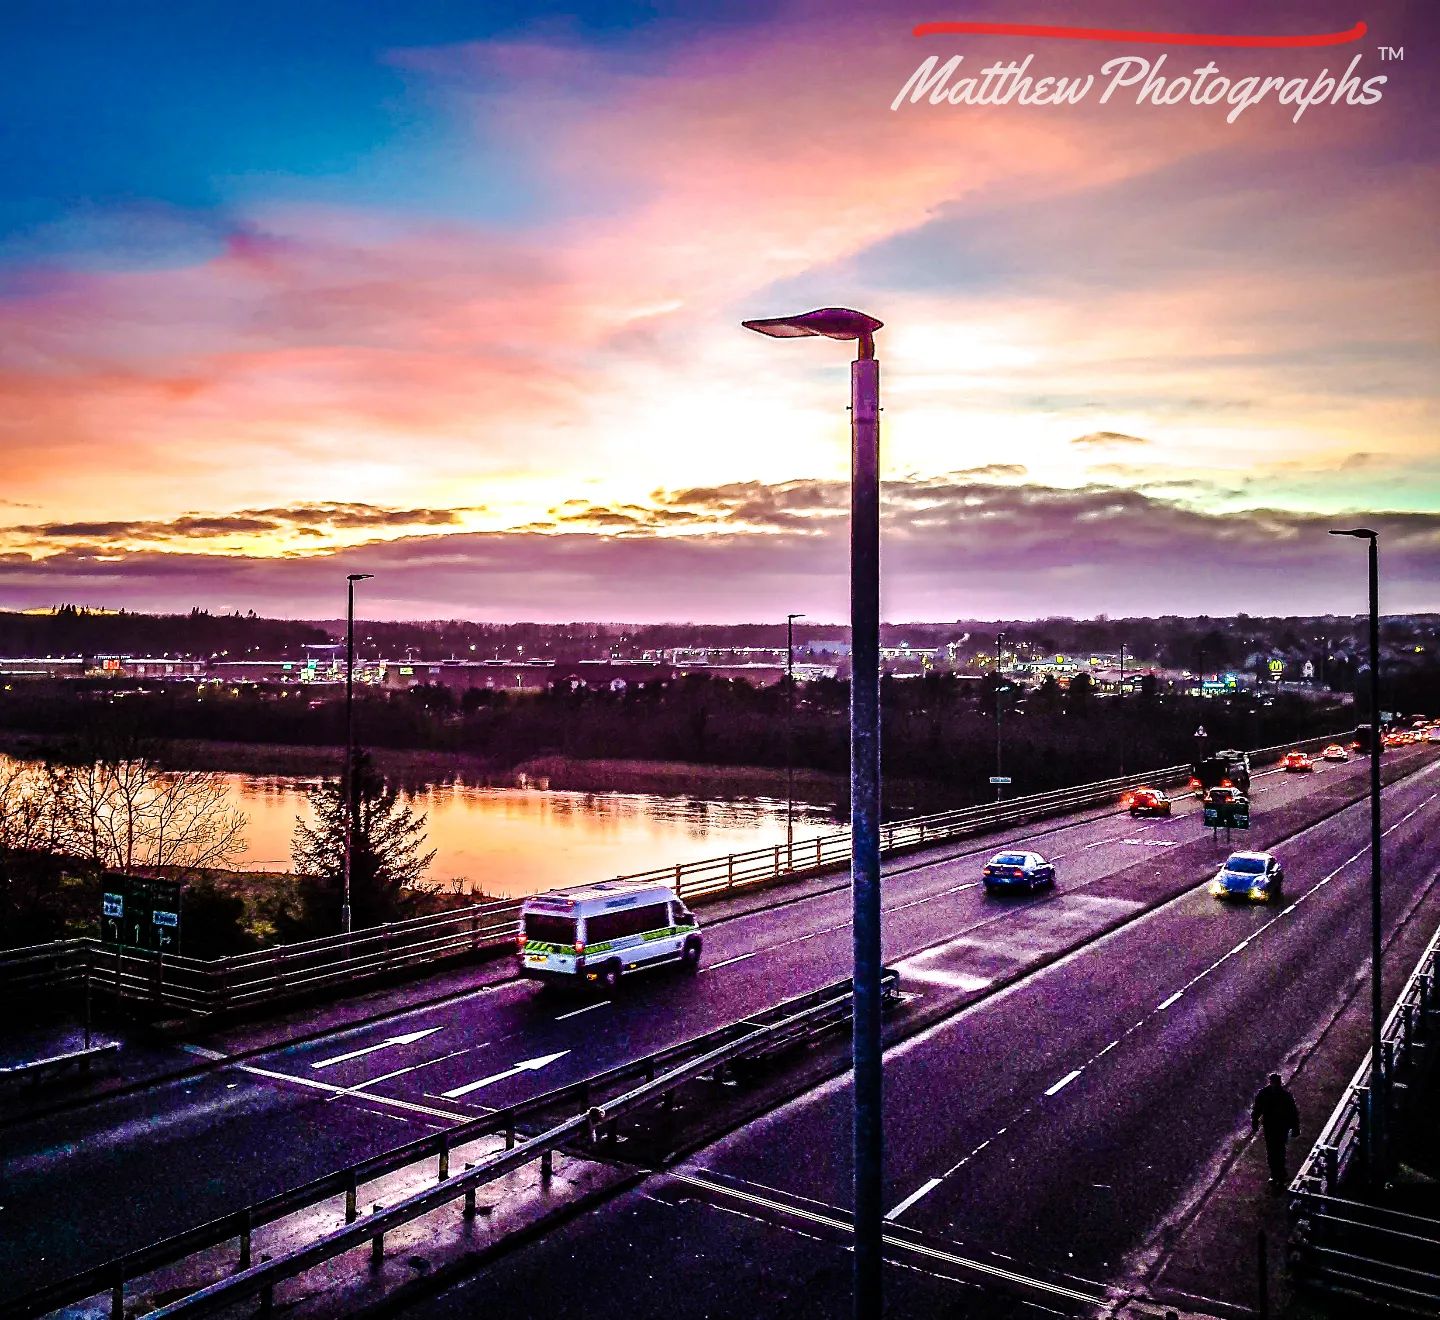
409 1038
530 1065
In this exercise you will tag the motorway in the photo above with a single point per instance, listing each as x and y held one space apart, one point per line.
1063 1106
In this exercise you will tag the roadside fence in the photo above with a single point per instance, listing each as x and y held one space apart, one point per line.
1338 1241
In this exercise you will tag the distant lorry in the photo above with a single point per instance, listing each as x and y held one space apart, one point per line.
1364 738
1227 769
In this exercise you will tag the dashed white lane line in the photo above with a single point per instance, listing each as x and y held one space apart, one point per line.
1138 1025
715 967
914 1196
359 1087
589 1008
1064 1082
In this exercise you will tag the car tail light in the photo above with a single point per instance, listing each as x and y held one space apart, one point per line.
1225 783
520 941
1017 870
1194 783
579 948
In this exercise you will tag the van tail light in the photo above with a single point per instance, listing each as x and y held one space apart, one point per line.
519 941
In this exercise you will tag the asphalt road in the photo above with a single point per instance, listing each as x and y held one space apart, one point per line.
85 1186
1052 1130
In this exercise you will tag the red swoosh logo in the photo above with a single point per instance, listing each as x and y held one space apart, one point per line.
1152 38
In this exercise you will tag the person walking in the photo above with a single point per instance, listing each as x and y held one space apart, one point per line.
1276 1111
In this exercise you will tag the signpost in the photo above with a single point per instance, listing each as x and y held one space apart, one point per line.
139 913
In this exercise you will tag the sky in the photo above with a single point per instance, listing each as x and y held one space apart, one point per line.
451 293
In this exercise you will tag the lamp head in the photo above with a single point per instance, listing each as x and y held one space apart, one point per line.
358 577
1364 533
795 616
831 322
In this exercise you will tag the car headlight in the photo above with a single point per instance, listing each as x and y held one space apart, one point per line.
1259 891
1216 888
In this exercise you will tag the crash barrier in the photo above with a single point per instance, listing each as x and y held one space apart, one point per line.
1337 1241
598 1104
249 981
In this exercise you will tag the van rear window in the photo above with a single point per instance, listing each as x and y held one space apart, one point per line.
548 929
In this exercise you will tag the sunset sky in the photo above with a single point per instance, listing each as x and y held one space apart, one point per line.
450 293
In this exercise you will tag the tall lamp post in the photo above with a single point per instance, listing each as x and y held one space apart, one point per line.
999 787
350 580
1374 1128
790 738
842 323
1120 706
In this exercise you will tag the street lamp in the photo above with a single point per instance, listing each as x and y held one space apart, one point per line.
1375 1148
789 739
999 787
842 323
1120 707
350 580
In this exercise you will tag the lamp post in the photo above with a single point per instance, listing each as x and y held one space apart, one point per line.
1120 707
842 323
350 580
790 739
999 787
1374 1128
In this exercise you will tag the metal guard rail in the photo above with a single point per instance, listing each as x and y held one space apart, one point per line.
660 1072
248 980
1345 1244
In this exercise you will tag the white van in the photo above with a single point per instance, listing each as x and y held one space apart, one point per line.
599 932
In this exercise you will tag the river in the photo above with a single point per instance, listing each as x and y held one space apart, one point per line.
509 841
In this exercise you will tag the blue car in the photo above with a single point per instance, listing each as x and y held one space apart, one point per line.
1017 870
1256 877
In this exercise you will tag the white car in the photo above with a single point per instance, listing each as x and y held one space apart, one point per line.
1334 753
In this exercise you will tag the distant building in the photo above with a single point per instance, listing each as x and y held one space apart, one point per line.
466 675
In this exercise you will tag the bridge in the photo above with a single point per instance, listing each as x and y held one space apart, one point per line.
1068 1079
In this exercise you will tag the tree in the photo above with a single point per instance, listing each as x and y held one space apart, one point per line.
1078 696
132 816
1047 699
385 852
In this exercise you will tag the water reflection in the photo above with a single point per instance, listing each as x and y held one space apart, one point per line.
508 841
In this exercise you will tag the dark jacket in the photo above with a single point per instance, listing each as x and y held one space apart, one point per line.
1275 1108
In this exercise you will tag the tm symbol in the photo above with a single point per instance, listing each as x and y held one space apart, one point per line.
1388 53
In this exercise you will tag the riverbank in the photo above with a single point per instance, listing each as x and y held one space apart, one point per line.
416 769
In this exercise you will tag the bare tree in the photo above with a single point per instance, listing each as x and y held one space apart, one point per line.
130 815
